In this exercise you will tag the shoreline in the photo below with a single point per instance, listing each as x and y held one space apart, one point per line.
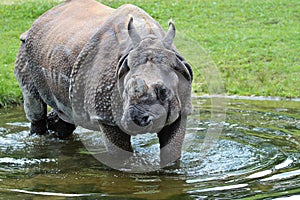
252 97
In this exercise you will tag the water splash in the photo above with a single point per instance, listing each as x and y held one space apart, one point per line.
256 156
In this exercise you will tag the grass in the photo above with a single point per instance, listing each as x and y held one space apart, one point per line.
255 44
15 18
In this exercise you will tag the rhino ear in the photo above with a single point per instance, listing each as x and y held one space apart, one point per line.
186 68
133 34
169 38
182 67
23 36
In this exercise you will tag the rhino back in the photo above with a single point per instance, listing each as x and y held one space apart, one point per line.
54 42
94 92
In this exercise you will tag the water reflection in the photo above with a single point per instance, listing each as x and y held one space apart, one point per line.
256 156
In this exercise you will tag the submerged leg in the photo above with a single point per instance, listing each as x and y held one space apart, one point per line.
35 108
171 139
116 138
36 113
61 128
118 147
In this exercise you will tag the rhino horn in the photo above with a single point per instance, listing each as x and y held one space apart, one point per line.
138 88
169 38
134 36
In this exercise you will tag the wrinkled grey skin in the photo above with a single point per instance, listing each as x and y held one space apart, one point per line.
105 69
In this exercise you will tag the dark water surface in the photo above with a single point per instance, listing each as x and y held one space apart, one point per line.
257 156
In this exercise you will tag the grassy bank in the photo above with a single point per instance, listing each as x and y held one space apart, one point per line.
255 44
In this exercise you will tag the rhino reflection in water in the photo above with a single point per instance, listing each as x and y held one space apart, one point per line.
105 69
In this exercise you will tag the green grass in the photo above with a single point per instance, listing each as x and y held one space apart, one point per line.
15 18
255 44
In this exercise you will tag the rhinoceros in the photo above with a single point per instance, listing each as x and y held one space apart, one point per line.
114 70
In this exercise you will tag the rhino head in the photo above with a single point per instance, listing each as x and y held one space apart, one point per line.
151 78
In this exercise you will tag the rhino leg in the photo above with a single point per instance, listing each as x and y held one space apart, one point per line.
34 106
117 140
61 128
36 113
171 139
35 109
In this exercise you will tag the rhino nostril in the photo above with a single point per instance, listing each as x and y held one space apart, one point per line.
140 118
143 121
146 120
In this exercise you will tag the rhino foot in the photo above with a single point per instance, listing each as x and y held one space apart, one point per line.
39 127
59 127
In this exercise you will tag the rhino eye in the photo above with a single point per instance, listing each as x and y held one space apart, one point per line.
162 93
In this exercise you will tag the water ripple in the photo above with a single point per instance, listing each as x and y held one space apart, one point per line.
256 156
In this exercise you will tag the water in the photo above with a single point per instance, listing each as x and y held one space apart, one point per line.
256 157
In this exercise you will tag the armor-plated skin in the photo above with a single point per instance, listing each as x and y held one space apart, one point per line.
105 69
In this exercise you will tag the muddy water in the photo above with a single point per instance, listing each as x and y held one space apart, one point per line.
257 156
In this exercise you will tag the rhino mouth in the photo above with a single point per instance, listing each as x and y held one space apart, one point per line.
137 120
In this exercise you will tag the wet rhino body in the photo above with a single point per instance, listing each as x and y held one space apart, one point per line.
104 69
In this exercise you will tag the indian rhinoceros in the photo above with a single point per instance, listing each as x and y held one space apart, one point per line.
113 70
